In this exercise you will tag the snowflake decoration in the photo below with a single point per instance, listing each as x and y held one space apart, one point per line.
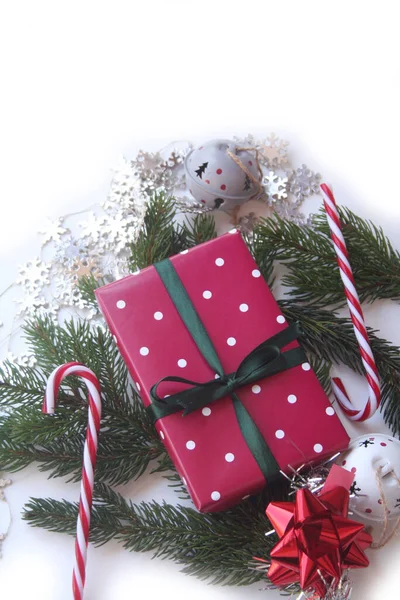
30 305
52 231
84 267
275 186
3 484
125 190
274 151
303 182
91 227
34 275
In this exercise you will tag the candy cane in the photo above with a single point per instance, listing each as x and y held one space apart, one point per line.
357 318
89 460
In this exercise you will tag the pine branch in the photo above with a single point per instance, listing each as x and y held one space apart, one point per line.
87 285
217 546
332 338
159 237
312 272
200 229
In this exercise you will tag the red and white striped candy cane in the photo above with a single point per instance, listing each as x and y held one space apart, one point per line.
89 460
357 318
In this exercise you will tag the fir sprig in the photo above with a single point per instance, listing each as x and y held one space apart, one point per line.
216 546
312 274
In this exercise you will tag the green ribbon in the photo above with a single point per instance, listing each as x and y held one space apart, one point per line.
265 360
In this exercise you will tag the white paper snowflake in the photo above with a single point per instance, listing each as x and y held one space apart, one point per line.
125 190
275 186
91 227
274 150
52 231
34 274
26 360
303 183
30 305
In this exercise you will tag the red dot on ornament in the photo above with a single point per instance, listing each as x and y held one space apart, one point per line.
223 187
379 501
207 181
368 510
383 444
218 171
344 462
353 469
371 438
250 163
203 201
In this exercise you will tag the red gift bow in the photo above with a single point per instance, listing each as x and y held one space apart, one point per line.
317 542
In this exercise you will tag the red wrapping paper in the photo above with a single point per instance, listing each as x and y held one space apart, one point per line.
239 312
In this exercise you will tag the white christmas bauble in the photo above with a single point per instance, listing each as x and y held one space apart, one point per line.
371 457
216 180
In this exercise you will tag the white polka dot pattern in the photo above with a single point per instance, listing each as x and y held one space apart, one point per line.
220 262
138 386
215 496
279 434
330 411
184 481
184 252
190 445
292 399
244 307
306 366
158 315
256 273
144 351
182 363
206 411
162 436
256 389
207 294
280 319
121 304
318 448
231 341
229 457
115 339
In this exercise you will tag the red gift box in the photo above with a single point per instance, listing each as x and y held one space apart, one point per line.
239 312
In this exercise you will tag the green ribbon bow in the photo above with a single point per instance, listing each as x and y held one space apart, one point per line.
265 360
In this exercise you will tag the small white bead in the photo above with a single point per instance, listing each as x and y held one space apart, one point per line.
215 496
144 351
207 294
158 315
292 399
244 307
231 341
256 273
280 319
121 304
330 411
229 457
219 262
190 445
182 363
256 389
306 366
206 411
318 448
279 434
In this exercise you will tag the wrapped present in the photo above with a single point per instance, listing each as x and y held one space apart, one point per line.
228 386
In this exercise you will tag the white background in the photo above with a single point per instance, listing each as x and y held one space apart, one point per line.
84 82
